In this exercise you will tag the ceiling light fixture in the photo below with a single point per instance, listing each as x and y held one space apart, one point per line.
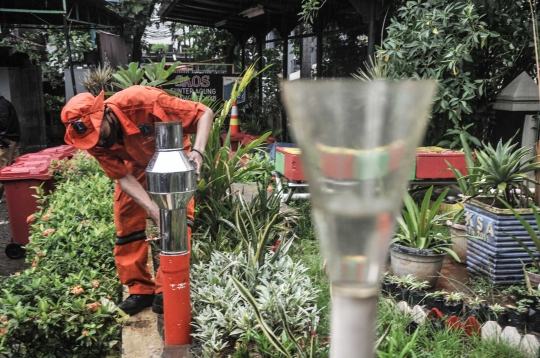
253 11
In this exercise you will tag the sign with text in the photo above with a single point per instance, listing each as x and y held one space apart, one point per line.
214 86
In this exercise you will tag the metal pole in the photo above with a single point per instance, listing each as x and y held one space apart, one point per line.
353 325
285 78
261 60
320 35
70 62
371 30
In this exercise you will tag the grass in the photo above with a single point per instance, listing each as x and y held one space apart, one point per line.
430 342
427 342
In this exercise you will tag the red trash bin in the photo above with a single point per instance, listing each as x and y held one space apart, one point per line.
18 180
56 153
62 151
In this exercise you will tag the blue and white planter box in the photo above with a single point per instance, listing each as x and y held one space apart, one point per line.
494 254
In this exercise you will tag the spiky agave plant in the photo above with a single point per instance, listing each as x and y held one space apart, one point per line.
98 79
374 69
504 169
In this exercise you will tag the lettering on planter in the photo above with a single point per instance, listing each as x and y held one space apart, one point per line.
489 229
468 219
482 231
479 224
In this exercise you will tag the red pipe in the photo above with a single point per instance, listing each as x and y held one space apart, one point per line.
176 299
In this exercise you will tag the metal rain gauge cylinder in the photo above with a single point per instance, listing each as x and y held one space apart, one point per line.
171 183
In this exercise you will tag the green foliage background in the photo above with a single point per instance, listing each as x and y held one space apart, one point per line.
473 48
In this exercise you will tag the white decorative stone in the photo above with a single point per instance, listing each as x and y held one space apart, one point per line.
418 314
511 336
530 346
491 331
404 307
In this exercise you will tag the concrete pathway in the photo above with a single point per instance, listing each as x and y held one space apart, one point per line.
140 336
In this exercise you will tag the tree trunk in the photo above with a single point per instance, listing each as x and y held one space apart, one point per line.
136 51
230 52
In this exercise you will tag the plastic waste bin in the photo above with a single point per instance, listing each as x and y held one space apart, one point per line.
18 180
56 153
61 151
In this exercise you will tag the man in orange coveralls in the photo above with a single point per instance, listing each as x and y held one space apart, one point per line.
119 133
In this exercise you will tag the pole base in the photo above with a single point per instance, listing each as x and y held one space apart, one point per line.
176 299
176 351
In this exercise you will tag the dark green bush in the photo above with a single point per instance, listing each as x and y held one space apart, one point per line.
62 306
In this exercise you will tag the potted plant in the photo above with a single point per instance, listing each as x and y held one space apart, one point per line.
417 248
533 319
435 300
477 307
498 313
453 306
403 287
417 292
389 284
517 314
502 179
458 235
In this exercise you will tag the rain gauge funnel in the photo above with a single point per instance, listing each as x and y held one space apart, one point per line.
171 182
358 143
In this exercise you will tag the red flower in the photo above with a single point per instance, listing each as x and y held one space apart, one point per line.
47 232
77 290
93 306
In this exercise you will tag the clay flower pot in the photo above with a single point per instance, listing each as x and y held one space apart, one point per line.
425 265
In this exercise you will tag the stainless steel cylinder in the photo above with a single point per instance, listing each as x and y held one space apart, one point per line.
171 182
168 136
173 231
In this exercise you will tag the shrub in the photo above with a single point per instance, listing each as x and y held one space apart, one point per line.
61 306
455 43
220 314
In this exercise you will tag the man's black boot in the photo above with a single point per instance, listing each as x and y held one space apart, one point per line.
157 306
136 303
